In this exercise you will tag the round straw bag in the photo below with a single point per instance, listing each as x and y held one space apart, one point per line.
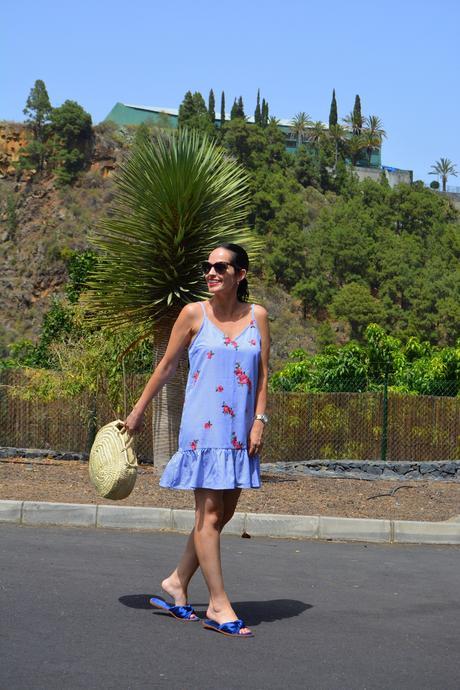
113 462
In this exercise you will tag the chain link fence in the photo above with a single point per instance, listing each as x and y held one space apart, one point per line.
367 425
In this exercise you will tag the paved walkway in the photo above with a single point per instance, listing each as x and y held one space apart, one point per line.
327 616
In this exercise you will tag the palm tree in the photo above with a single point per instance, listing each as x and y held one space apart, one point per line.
352 122
177 196
338 134
372 134
316 133
444 167
299 127
349 120
355 145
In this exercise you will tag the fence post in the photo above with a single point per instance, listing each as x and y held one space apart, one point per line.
384 443
92 423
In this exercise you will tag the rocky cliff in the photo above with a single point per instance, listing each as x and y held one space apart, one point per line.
12 138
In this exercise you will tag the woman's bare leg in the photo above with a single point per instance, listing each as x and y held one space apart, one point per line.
208 524
176 584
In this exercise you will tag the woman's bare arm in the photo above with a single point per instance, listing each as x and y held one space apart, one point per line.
262 384
179 339
257 429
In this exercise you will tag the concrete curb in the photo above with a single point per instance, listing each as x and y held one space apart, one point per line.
255 524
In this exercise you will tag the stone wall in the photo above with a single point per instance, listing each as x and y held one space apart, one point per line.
394 177
367 469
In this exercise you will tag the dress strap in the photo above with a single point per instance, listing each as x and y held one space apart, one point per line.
204 310
252 311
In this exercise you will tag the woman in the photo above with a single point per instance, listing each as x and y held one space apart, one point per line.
221 427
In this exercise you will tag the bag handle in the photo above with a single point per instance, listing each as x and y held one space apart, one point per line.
120 427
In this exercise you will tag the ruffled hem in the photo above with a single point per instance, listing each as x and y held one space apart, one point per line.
212 468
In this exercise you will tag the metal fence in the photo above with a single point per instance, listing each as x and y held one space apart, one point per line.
303 426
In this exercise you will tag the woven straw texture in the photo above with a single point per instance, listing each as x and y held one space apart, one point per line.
113 462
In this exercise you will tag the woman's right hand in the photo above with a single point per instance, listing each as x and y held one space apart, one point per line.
134 422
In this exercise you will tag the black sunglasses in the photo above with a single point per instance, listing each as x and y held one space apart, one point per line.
220 267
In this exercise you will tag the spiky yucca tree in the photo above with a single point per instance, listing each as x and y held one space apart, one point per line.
177 197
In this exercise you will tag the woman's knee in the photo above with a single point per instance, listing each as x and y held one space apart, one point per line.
227 515
230 501
209 513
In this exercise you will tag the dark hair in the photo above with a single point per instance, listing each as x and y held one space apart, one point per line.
242 261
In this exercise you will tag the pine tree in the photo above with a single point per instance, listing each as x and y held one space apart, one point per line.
257 111
186 109
333 111
38 109
357 116
234 110
72 132
194 114
222 109
240 107
212 107
199 104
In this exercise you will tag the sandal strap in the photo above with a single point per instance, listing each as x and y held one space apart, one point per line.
182 611
233 627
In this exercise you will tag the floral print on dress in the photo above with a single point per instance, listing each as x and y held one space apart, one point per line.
243 378
252 323
210 354
226 409
235 443
208 424
229 341
219 389
253 341
193 444
196 375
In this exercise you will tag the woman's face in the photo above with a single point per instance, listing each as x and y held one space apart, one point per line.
228 281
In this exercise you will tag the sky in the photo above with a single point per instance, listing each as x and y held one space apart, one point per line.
401 57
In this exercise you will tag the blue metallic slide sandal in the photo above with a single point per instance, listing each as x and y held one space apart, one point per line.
182 613
231 629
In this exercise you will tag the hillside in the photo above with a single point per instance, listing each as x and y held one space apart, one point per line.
39 224
339 253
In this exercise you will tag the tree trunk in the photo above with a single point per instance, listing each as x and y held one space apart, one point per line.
167 405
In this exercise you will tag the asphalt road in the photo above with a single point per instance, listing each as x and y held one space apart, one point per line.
74 614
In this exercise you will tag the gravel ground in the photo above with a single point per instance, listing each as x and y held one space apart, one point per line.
68 482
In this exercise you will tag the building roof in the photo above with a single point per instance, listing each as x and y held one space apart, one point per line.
175 111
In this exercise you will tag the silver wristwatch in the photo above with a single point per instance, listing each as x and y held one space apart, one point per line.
262 417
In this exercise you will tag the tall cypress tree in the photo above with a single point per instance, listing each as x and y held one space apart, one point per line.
264 114
240 107
333 111
234 110
257 111
222 109
212 106
357 116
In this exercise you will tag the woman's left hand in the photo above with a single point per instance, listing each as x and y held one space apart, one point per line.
255 437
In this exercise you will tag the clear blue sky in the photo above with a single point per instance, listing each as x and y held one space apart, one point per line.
402 57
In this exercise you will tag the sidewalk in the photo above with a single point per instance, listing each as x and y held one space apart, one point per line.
315 527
